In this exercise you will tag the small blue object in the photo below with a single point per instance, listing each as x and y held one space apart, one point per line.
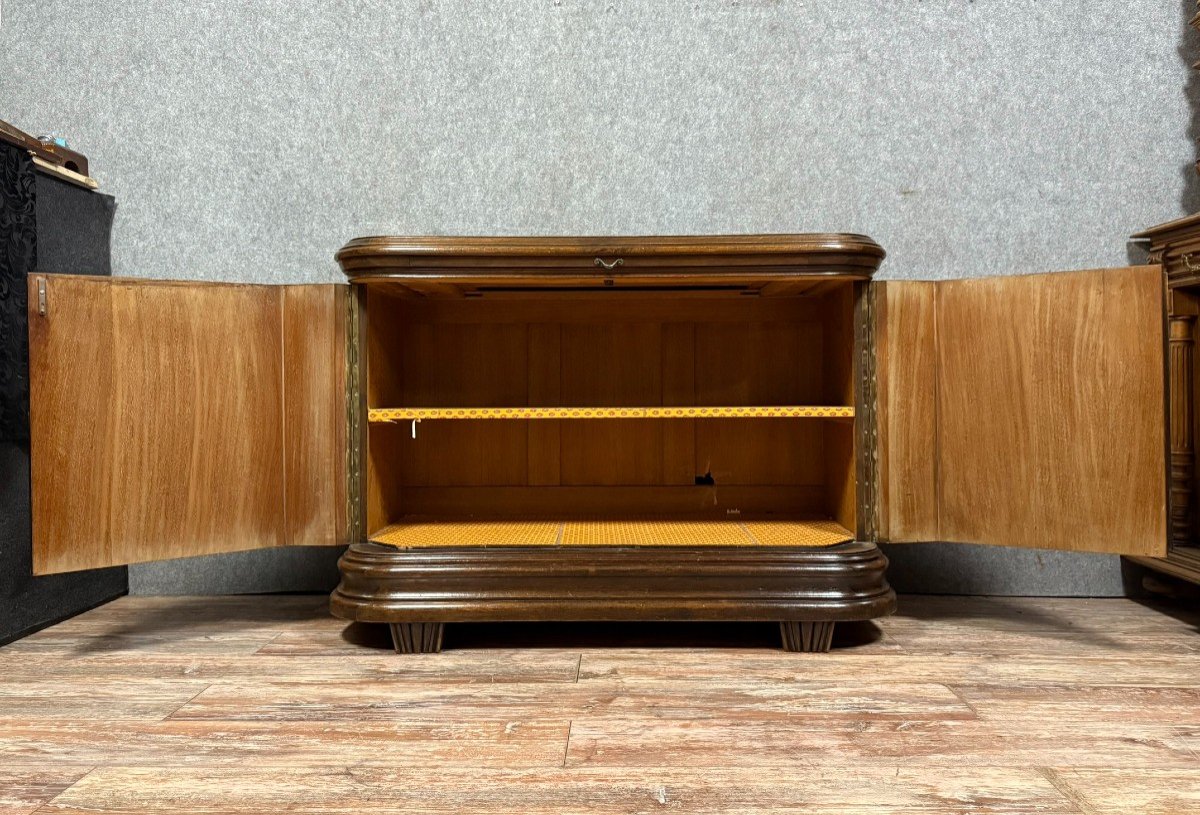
58 141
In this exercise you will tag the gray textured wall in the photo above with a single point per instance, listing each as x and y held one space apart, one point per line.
248 140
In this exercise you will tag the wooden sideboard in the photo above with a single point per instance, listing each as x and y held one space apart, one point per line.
717 427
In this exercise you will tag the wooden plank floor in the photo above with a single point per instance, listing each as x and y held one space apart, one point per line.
266 704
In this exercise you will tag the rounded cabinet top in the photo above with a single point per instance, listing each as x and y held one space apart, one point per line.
681 261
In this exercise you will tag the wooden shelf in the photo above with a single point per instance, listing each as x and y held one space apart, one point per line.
419 533
377 415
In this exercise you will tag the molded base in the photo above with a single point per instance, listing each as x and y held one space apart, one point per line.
807 589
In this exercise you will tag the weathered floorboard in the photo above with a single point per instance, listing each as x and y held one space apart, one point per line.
24 788
432 742
872 789
378 700
236 705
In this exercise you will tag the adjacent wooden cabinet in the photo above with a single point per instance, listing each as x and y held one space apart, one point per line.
45 223
600 428
1176 246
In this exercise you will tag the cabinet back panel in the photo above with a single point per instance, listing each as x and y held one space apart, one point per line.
609 452
479 364
761 451
591 501
459 453
611 351
767 363
604 365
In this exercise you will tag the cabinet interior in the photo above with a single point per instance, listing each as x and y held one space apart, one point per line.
509 476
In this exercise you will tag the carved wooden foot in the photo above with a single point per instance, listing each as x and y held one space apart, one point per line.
417 638
808 637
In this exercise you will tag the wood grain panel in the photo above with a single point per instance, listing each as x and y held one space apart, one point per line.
840 474
761 451
679 389
413 362
1051 424
461 365
906 410
314 415
174 419
611 365
156 421
760 364
382 317
474 364
453 454
838 306
607 307
841 386
545 379
708 501
755 363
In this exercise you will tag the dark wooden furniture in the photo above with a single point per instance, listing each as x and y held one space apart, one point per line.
45 224
600 428
1176 246
660 428
48 157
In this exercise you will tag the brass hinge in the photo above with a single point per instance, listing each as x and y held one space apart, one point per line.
41 296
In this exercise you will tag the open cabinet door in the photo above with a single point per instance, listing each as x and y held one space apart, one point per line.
1024 411
171 419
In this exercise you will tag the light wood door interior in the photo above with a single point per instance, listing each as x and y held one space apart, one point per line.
175 419
588 350
1024 411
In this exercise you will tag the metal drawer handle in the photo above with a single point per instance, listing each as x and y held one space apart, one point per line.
610 265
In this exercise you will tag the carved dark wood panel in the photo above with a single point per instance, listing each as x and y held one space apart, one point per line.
42 221
18 257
